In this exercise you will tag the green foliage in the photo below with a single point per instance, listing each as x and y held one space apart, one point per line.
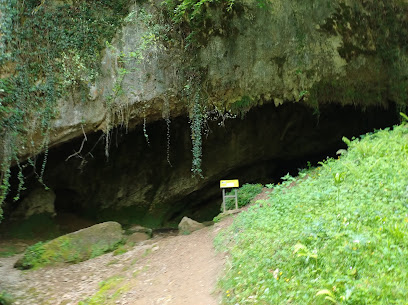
335 234
404 117
246 193
196 134
5 298
188 28
120 250
242 106
47 49
190 11
33 256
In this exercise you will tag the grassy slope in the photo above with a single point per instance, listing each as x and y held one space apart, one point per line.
338 235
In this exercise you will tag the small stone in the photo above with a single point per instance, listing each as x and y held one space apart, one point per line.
84 278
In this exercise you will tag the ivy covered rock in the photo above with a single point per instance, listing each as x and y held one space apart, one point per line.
105 64
74 247
133 66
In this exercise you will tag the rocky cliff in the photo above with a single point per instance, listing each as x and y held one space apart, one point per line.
160 61
343 51
348 52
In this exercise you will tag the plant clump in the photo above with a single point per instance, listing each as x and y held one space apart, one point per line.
246 193
109 291
5 298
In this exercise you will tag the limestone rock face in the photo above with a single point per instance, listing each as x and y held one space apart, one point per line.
272 63
187 225
74 247
333 51
38 201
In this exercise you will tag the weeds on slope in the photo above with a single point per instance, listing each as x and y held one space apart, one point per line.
336 234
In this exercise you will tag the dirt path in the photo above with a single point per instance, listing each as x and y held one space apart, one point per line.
168 270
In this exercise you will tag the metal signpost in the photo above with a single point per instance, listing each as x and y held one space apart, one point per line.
224 184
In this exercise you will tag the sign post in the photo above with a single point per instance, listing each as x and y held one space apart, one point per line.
224 184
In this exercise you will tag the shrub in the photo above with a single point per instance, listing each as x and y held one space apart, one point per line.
245 194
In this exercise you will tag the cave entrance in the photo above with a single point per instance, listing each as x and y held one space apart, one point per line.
137 183
305 138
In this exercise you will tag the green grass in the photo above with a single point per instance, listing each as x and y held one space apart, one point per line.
336 234
121 250
109 291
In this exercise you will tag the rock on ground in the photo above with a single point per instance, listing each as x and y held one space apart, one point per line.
187 225
74 247
173 270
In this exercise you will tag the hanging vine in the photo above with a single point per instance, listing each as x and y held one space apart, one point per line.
196 124
166 116
47 50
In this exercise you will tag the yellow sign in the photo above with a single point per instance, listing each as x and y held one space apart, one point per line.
229 183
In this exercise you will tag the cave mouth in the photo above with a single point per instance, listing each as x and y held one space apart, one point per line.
137 184
67 201
353 122
275 170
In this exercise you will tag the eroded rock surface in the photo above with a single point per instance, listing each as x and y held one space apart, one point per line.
287 66
325 52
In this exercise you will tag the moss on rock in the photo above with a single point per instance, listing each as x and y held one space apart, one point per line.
74 247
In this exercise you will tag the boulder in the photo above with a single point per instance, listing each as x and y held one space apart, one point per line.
187 225
38 201
137 237
74 247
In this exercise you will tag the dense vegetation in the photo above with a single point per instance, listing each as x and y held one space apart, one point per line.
336 234
246 193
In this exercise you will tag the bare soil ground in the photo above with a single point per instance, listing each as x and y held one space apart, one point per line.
164 270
